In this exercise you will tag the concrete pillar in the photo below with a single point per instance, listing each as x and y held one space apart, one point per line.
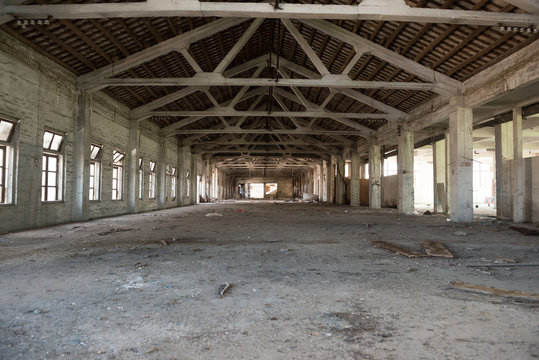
461 155
339 182
81 159
162 172
439 176
180 182
447 172
382 161
504 157
405 160
375 180
354 179
194 180
518 167
133 166
331 179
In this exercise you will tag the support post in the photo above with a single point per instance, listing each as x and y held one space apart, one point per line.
180 182
339 181
331 179
518 167
354 179
162 171
375 181
504 156
194 178
405 159
81 161
439 177
133 168
461 155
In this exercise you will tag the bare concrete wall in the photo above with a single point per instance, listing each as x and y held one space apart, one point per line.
390 184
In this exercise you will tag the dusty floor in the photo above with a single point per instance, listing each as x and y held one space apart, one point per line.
307 283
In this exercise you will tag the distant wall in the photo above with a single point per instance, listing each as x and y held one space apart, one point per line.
390 185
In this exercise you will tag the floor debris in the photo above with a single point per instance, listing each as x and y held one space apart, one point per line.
398 249
437 249
525 230
213 215
460 233
493 291
223 289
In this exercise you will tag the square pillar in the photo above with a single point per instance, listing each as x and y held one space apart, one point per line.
81 159
194 179
439 176
354 179
504 157
375 181
133 166
180 182
518 167
162 172
339 182
405 161
331 179
461 155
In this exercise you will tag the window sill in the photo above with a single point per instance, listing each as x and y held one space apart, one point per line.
7 205
53 202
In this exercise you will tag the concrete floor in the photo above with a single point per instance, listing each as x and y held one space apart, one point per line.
307 283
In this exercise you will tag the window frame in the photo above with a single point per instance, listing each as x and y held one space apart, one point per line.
3 174
117 165
7 173
49 153
95 183
173 181
151 181
140 178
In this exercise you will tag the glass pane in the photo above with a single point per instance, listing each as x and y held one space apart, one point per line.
56 142
152 166
51 178
53 163
115 173
51 194
6 128
92 170
2 151
140 163
47 138
44 163
94 151
43 178
43 193
91 196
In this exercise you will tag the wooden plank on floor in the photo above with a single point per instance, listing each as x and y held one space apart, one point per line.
435 248
493 291
398 249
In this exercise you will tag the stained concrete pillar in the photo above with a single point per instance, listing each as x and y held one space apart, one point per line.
331 179
354 179
504 157
194 180
439 176
81 159
405 161
375 180
518 167
162 172
133 166
339 182
180 182
461 155
324 181
447 172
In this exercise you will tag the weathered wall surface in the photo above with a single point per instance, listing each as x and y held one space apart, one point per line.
390 186
40 95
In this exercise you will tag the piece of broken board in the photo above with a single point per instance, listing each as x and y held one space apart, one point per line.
437 249
493 291
398 249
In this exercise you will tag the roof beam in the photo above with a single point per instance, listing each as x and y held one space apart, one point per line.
531 6
303 131
366 10
174 44
445 83
215 79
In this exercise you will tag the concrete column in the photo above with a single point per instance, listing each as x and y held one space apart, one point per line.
382 161
439 176
405 160
461 155
81 159
331 180
180 182
162 172
375 181
518 167
447 173
133 167
354 179
194 180
504 157
339 182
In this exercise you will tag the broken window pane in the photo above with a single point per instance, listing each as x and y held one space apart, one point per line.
94 151
117 157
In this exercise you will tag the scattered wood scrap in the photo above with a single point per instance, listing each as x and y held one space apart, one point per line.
528 231
223 289
398 249
493 291
437 249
